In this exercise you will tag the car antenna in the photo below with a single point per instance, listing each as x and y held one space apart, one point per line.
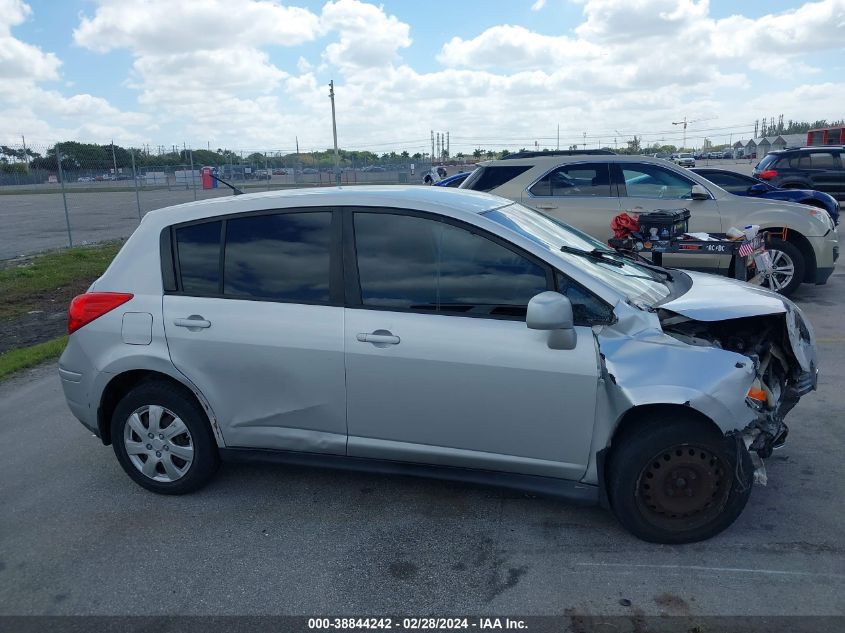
232 187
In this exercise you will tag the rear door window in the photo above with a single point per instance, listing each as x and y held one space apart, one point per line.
586 179
279 256
823 160
732 183
643 180
814 160
492 176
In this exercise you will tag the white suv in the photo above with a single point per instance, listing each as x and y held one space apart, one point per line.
684 160
587 189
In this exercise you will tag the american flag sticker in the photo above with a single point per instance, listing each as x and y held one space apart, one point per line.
746 249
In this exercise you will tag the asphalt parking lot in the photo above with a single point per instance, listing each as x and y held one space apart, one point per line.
78 537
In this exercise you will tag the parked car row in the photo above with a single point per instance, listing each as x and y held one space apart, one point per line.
724 154
587 189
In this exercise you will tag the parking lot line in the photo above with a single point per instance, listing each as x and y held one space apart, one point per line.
735 570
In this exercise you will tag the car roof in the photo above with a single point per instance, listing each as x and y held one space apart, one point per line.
558 159
813 148
444 200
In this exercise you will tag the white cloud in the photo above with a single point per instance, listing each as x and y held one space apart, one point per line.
19 60
45 114
164 26
368 37
513 46
538 5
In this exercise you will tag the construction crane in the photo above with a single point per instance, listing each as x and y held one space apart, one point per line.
685 122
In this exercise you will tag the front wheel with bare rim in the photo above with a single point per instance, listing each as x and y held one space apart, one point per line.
162 439
674 479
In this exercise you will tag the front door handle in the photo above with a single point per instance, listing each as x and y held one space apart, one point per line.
380 338
192 322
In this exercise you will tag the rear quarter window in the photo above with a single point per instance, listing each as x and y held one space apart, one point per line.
493 176
198 252
768 162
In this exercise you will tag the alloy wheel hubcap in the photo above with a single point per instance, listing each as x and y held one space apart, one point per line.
783 269
158 443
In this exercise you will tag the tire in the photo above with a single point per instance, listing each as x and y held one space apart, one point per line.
704 479
784 255
147 438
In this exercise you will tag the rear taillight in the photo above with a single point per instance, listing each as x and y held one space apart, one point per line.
768 174
92 305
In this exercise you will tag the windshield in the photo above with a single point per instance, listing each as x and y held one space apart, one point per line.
685 156
637 283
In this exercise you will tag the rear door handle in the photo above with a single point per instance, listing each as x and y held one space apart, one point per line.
193 321
379 337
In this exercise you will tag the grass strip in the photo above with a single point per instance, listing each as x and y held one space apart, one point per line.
24 357
22 280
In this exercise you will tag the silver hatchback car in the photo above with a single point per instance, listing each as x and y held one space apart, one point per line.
438 332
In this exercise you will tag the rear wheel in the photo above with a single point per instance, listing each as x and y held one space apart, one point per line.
162 439
674 480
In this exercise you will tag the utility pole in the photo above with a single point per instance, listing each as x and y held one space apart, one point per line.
448 153
557 147
585 140
432 146
113 159
25 156
296 165
334 133
684 123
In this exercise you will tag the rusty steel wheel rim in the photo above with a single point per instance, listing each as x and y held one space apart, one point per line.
683 485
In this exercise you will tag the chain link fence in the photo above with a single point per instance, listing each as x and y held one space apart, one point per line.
74 193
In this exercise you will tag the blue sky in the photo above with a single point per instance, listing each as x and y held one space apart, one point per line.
250 74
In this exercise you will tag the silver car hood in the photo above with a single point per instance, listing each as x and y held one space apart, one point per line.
714 298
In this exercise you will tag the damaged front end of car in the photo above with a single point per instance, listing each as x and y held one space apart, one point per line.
745 372
782 350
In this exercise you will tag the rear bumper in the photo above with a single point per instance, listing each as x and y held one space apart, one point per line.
76 375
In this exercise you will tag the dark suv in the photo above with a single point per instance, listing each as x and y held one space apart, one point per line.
821 168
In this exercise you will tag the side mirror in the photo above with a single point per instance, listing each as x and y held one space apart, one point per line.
756 190
553 312
699 193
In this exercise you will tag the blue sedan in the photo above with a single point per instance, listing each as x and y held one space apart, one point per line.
453 181
742 185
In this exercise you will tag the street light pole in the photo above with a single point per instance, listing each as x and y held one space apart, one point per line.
334 132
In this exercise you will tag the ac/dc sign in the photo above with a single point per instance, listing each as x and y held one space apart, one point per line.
715 248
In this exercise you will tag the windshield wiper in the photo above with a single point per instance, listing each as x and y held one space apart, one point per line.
639 260
593 254
237 192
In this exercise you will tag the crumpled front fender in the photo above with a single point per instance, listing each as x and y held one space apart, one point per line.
654 368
